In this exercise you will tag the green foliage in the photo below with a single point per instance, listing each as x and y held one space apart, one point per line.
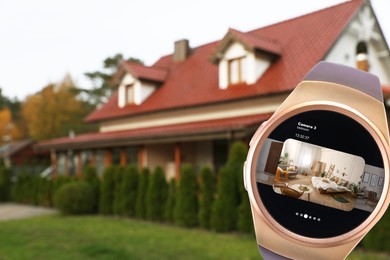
244 222
224 213
128 190
171 200
207 190
378 238
140 207
237 157
107 191
90 176
117 200
5 183
74 198
156 195
186 210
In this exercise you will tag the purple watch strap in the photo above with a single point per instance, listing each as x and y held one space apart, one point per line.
347 76
269 255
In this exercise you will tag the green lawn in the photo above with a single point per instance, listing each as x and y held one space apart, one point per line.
93 237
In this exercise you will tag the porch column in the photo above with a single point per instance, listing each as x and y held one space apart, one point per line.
123 157
79 166
54 163
107 158
140 157
177 161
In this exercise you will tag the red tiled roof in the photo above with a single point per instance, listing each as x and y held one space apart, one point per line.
94 140
250 41
143 72
303 41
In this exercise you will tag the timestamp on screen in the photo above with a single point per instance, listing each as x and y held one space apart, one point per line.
301 136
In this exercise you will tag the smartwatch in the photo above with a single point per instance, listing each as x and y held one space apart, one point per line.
317 172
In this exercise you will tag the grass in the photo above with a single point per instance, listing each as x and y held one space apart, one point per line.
97 237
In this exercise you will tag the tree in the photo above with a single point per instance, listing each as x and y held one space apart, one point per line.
102 88
129 190
156 195
91 177
140 207
237 156
107 191
55 111
224 212
171 201
5 183
186 210
207 190
117 208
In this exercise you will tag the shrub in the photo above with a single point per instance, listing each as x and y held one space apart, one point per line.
171 200
74 198
224 213
90 176
244 222
118 177
207 190
140 207
128 191
186 210
5 184
107 191
156 195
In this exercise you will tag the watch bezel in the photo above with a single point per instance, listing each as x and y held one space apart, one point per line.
262 134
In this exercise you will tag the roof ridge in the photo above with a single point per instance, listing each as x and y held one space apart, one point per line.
304 15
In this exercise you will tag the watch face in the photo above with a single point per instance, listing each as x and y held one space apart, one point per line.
319 174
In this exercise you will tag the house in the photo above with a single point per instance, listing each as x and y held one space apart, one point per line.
189 106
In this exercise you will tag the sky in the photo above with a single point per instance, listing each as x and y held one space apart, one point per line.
43 40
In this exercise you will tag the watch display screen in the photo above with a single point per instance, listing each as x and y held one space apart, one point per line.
319 174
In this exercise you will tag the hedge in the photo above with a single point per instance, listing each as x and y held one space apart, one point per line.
207 190
140 207
156 195
171 201
107 191
186 210
74 198
90 176
128 191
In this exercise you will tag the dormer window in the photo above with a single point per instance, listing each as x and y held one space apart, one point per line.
243 57
236 71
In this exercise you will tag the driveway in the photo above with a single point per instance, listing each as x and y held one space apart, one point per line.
10 211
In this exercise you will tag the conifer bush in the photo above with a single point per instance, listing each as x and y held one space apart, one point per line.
207 190
171 200
74 198
186 210
224 212
117 200
140 207
128 191
90 176
107 191
236 159
156 195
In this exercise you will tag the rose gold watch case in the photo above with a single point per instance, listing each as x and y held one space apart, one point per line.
270 233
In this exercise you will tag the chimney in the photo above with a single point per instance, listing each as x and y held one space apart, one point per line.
362 56
182 50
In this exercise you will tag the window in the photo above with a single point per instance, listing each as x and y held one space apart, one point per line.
235 71
129 94
132 155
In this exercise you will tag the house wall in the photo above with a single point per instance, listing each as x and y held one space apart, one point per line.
254 106
160 155
344 52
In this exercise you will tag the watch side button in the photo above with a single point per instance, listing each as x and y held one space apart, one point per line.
244 175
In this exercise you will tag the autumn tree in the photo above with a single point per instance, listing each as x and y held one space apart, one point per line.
55 111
